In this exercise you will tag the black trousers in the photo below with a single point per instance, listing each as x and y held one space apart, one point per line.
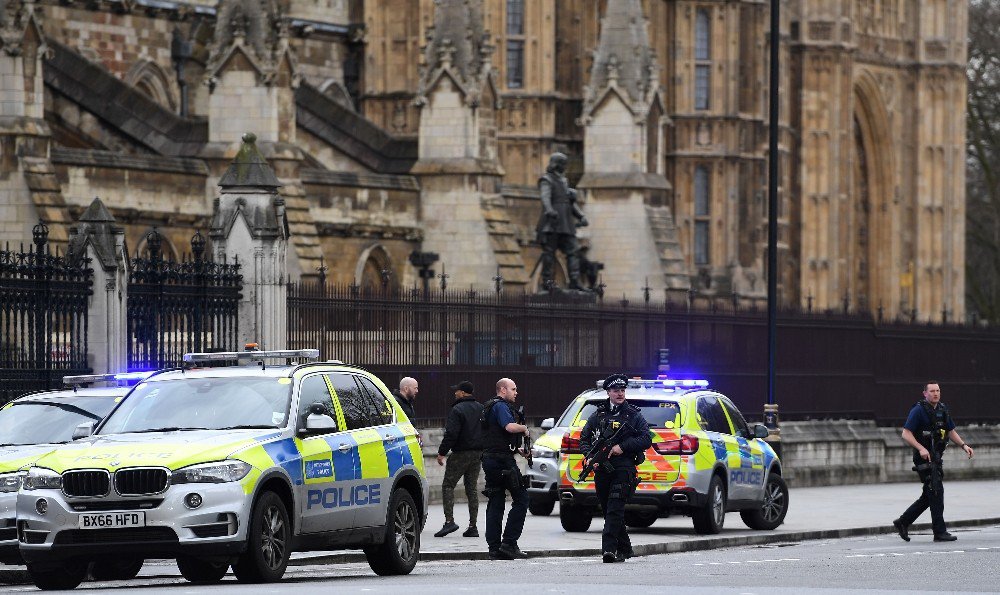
929 498
613 490
496 493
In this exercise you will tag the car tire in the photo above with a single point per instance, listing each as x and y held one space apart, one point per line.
57 577
201 572
639 521
125 569
574 519
269 541
542 506
772 509
399 551
709 519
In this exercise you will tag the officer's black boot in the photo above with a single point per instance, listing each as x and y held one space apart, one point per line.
610 557
901 529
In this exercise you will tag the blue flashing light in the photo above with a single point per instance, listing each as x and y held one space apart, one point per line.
126 376
665 383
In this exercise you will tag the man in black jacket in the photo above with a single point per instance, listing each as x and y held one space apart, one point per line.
616 485
405 396
463 437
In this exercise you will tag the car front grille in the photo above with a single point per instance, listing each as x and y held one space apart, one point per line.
115 505
86 483
104 536
141 481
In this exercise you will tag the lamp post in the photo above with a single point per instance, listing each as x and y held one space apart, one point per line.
422 261
771 408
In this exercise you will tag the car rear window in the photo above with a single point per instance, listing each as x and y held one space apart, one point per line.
658 414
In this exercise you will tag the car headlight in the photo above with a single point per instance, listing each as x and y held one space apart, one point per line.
540 452
221 472
10 482
40 478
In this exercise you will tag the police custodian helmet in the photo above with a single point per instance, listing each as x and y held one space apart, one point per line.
615 381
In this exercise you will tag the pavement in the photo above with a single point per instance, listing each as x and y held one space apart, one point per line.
814 513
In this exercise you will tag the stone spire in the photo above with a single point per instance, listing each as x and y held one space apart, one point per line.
258 29
15 18
249 192
458 47
624 60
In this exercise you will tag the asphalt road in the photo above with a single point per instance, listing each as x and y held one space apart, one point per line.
870 565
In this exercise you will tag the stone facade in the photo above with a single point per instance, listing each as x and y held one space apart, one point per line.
393 130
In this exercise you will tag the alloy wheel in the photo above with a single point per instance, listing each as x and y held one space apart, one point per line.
718 506
774 502
405 526
273 538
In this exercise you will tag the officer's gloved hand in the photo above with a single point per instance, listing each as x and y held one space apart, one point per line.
582 222
552 214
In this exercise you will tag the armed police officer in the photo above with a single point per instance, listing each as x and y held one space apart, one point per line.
928 429
618 435
502 437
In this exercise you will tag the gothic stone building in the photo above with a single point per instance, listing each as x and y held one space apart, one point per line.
403 125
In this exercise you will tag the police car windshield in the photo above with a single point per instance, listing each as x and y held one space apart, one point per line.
50 421
204 404
658 414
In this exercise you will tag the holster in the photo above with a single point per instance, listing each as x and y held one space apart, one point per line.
513 479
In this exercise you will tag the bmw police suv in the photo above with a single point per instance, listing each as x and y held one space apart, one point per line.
237 465
705 461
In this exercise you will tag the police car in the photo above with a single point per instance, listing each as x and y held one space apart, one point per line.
236 465
705 461
35 424
543 477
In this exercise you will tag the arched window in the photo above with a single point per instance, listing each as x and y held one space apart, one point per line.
374 271
148 78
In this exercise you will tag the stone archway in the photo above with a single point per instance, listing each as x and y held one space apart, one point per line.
374 269
867 228
149 78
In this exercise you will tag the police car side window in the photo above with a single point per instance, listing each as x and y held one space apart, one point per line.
380 408
737 418
354 404
711 416
314 390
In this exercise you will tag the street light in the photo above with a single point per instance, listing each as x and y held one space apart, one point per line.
422 261
771 408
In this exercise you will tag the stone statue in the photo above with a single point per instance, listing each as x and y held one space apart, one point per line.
557 225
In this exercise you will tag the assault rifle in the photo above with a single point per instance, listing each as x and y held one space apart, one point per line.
600 453
933 466
527 437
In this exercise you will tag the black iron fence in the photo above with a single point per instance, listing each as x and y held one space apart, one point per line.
180 307
43 317
830 364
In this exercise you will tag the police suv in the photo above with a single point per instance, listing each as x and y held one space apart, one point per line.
705 460
34 425
238 465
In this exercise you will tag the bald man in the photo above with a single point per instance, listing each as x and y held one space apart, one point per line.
406 395
502 437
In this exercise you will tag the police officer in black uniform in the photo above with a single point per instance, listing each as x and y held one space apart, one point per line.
616 485
502 437
928 429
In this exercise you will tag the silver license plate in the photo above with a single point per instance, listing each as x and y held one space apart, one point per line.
112 520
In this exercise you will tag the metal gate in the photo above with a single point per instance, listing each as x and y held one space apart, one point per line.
179 307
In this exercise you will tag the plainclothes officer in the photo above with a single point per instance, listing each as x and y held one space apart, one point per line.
502 437
406 394
463 435
616 485
928 429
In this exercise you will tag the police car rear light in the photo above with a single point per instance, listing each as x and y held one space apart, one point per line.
686 445
570 445
251 355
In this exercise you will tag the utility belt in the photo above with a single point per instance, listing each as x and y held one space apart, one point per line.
498 455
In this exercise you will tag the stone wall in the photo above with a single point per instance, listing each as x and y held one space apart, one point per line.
820 453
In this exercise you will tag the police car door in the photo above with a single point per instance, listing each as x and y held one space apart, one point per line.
714 421
369 491
751 453
329 462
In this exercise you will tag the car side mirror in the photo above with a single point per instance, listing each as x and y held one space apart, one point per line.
760 431
83 430
319 419
548 423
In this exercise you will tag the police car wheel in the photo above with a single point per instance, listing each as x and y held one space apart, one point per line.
574 519
398 553
709 519
201 572
116 570
56 577
639 521
542 506
268 542
772 509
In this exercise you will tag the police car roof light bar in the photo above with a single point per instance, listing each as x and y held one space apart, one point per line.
120 377
250 355
663 383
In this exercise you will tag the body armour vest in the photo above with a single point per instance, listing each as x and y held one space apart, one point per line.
497 440
939 426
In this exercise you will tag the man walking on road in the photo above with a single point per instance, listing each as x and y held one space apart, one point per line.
406 395
501 438
928 429
620 427
463 436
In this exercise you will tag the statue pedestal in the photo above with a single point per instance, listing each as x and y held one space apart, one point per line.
563 296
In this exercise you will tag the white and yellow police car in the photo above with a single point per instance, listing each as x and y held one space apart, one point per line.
238 465
34 425
705 461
